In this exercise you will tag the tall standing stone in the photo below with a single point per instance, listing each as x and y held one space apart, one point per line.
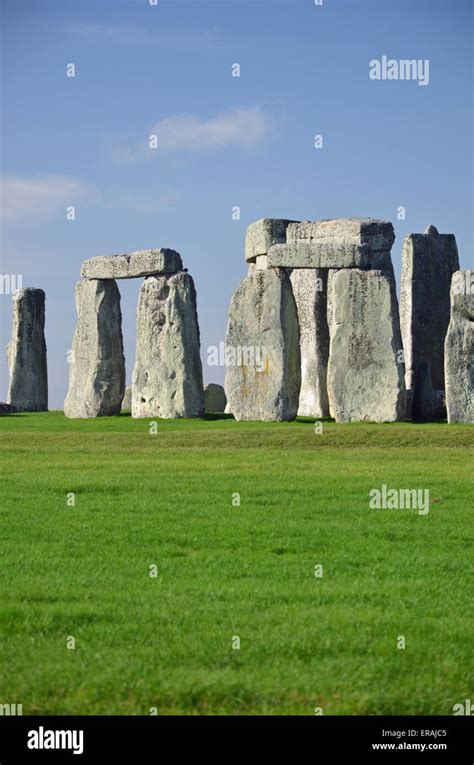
459 350
97 372
365 370
262 348
167 378
428 263
26 353
310 292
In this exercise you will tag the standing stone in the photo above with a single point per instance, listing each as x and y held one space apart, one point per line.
310 292
26 353
423 395
167 378
459 350
365 372
215 399
262 348
127 399
97 372
428 263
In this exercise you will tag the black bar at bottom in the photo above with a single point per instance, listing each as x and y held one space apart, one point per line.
368 739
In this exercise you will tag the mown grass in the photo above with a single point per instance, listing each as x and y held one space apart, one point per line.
225 571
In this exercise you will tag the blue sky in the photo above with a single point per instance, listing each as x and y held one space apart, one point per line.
223 141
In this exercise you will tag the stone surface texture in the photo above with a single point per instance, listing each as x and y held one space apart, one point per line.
365 370
263 324
97 370
132 265
428 263
26 352
262 234
459 350
167 377
215 399
310 292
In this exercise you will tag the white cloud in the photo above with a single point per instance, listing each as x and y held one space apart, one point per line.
187 133
139 36
42 195
240 127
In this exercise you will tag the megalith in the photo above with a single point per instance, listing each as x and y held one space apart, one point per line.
262 348
262 234
215 399
97 364
26 352
167 377
310 292
365 369
337 243
133 264
459 350
127 399
428 263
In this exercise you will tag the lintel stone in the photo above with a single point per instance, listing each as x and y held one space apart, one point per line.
133 264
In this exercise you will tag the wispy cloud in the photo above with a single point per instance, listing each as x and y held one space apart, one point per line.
245 128
42 195
139 36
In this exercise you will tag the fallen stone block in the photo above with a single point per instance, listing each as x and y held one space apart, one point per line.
215 399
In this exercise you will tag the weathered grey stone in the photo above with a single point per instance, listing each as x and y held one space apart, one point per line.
127 399
263 383
133 264
439 405
328 254
365 370
215 399
262 234
423 395
428 263
310 292
167 378
26 352
459 349
97 371
227 408
378 234
7 409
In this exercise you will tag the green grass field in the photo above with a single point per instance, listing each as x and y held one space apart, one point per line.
83 571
